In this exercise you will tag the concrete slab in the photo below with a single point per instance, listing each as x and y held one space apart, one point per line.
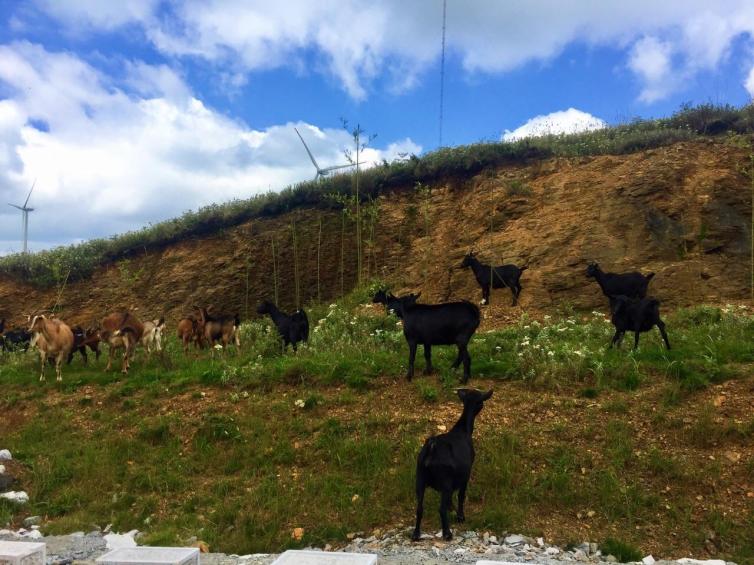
22 553
306 557
151 556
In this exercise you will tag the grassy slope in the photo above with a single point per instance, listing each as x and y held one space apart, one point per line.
657 445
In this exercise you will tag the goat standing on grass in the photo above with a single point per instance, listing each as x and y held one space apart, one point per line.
635 315
445 462
188 331
121 330
151 339
393 303
54 339
293 328
83 339
633 284
439 324
504 276
220 329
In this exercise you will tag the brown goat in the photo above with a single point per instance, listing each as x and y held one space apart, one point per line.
223 329
188 331
121 330
54 339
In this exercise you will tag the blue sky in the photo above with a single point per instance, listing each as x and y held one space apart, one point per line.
131 112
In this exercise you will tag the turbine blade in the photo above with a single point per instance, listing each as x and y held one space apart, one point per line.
15 206
307 150
32 190
336 167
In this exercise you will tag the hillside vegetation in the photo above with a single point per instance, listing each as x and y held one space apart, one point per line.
78 262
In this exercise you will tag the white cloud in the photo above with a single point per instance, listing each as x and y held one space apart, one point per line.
566 121
749 84
651 60
356 42
117 156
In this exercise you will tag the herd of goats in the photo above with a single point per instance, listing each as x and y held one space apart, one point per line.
445 461
451 323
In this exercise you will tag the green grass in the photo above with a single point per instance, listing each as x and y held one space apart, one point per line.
76 262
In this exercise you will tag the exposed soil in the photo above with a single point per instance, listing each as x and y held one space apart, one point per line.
681 211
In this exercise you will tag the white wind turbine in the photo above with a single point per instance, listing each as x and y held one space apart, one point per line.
321 173
25 211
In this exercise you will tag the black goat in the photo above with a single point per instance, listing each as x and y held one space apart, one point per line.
439 324
445 462
293 328
633 284
504 276
83 339
15 340
635 315
394 303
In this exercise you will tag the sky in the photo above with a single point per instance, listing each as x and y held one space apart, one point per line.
130 112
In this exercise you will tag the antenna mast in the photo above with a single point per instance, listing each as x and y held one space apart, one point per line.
442 67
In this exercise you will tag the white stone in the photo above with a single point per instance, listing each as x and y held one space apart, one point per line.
34 534
5 455
552 551
514 539
151 556
648 560
689 561
121 541
18 552
19 497
303 557
2 469
487 562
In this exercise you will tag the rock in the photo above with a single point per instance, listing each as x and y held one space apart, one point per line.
584 547
541 542
118 541
19 497
648 560
552 551
514 539
493 540
611 559
31 521
5 455
6 481
579 555
34 534
2 469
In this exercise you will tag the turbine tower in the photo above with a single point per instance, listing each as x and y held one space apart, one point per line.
321 173
25 213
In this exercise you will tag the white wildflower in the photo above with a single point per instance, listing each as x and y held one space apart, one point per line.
300 403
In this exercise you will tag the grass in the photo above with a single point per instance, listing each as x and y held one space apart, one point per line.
76 262
239 450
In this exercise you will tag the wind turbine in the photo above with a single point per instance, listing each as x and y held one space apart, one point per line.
25 211
327 170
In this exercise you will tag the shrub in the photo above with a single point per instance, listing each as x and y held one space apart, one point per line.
623 551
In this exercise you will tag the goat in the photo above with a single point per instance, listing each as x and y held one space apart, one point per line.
293 328
222 329
633 284
83 339
452 323
392 303
504 276
121 330
635 315
152 336
16 339
188 331
445 462
53 339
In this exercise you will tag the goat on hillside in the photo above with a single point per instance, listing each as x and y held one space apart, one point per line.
15 339
121 330
636 315
188 331
633 284
445 462
504 276
151 339
220 329
393 303
53 339
452 323
293 328
83 339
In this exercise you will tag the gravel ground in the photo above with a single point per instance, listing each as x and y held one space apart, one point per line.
393 547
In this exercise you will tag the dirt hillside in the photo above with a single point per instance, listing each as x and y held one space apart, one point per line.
682 211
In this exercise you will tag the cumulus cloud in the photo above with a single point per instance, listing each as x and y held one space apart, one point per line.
355 42
565 121
115 155
651 60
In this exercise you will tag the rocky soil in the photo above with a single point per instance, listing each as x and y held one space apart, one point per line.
393 548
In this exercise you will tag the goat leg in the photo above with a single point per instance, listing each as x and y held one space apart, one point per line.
466 363
661 327
616 339
445 499
411 359
428 359
637 333
460 516
420 487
